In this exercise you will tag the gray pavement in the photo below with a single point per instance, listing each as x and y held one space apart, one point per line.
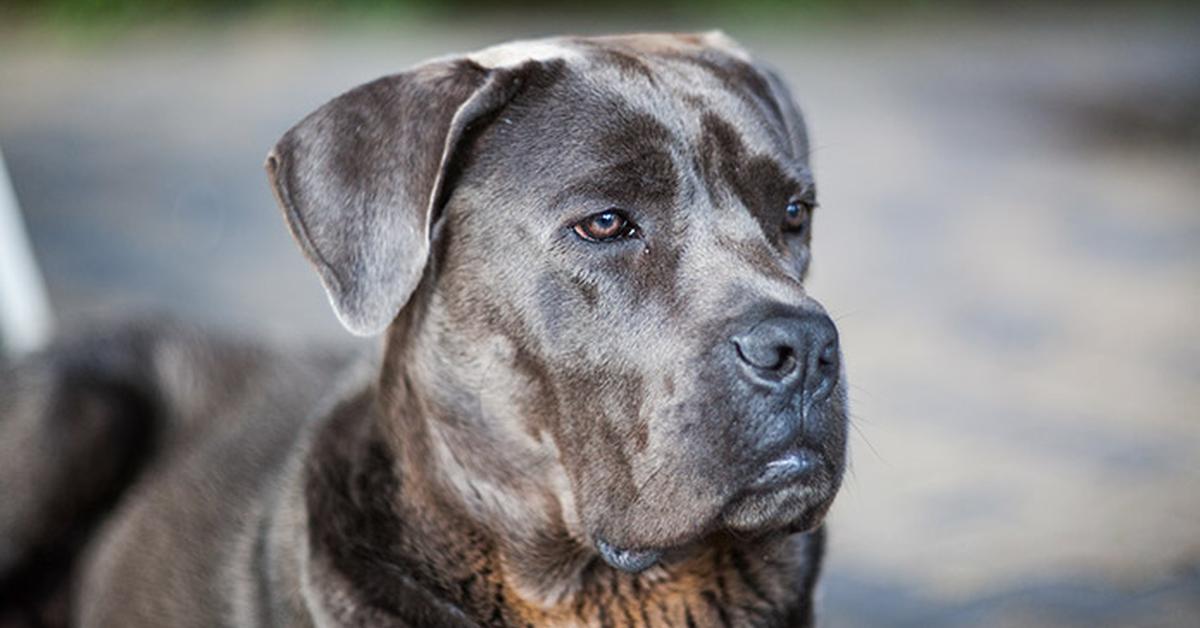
1009 238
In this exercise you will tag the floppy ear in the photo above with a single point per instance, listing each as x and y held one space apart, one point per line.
360 178
792 118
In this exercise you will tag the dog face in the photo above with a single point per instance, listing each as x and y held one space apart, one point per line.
613 245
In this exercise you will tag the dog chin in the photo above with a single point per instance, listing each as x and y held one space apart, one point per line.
791 509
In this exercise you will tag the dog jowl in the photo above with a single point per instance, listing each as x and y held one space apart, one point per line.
606 397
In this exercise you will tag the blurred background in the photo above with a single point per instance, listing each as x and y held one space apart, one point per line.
1009 239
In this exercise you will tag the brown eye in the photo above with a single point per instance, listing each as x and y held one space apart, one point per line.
795 218
605 226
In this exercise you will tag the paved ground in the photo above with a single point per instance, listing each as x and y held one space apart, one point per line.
1009 238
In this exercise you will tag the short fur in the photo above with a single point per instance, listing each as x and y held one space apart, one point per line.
537 395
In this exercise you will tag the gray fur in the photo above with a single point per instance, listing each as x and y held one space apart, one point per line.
538 397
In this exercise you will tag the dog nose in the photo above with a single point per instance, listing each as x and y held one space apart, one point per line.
782 352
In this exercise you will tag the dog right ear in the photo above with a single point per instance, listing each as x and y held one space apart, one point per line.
360 178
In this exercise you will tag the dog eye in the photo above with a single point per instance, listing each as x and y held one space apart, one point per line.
795 218
605 226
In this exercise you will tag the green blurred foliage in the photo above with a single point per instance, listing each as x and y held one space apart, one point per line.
91 18
82 12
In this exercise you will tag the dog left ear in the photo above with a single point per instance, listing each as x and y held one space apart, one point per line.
792 118
360 178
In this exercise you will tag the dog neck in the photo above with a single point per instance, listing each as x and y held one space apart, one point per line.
405 523
487 468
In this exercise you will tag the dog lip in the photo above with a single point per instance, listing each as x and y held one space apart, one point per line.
788 468
627 560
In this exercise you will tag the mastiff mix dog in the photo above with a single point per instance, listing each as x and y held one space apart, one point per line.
603 397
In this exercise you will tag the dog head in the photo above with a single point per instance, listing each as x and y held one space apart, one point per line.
599 247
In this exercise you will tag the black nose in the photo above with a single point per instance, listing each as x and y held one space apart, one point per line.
789 351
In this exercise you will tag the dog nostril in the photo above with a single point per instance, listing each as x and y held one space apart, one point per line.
824 367
828 359
779 359
785 360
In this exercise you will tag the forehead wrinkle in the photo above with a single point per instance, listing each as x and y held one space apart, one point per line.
609 56
735 175
743 79
552 133
701 84
680 126
683 92
637 139
599 107
648 180
759 136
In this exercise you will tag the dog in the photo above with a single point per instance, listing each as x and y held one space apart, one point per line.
603 396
